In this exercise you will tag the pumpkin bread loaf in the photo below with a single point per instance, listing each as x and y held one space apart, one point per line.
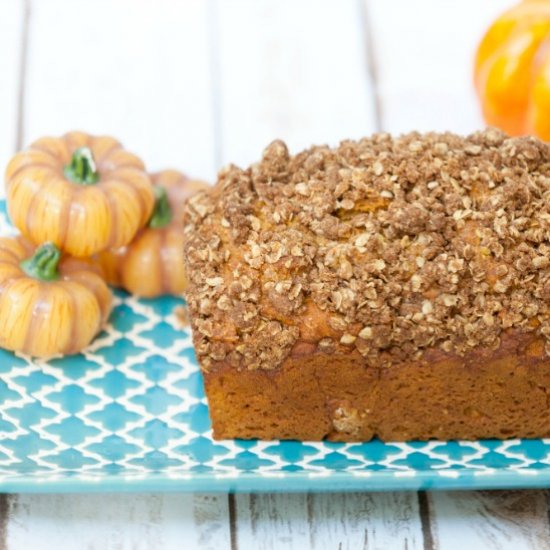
390 287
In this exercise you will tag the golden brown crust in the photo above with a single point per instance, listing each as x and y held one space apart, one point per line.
382 248
484 394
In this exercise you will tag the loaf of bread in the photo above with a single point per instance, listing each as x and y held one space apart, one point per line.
390 287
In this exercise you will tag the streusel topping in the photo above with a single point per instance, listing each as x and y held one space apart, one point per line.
385 245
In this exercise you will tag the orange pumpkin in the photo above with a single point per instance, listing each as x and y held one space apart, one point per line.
83 193
512 70
49 304
152 265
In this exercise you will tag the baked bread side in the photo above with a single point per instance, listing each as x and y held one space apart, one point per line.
395 287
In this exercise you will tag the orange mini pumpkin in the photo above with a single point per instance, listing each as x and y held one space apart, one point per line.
152 265
49 304
512 70
83 193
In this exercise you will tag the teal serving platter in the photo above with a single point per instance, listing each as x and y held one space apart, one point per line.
130 414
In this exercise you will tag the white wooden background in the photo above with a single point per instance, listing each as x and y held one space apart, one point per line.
194 84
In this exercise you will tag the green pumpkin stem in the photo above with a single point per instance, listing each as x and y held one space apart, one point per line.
43 264
82 168
162 213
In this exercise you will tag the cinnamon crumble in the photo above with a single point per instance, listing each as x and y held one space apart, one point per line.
385 245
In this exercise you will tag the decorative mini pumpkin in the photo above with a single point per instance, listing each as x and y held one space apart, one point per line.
49 305
83 193
152 265
512 70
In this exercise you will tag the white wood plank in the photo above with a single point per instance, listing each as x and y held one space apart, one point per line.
291 70
121 521
11 18
491 520
424 52
211 521
366 520
272 522
319 521
136 69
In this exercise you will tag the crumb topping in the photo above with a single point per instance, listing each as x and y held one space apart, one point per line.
385 245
